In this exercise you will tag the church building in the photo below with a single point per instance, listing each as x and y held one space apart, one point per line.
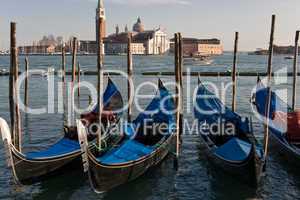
144 42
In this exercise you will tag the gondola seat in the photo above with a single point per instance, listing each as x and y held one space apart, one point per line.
129 151
62 147
236 150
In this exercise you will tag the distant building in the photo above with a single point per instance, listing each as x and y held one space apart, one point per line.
259 51
284 49
144 42
39 49
138 26
155 41
116 44
87 46
277 50
194 46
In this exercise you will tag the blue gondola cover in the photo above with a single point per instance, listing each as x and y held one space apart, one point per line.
236 150
63 146
129 151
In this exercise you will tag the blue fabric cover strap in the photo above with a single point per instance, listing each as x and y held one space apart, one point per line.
236 150
129 151
62 147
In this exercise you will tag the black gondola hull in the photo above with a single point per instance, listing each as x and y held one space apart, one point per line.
288 153
249 171
106 177
30 171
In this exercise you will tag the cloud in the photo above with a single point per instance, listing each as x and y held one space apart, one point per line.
151 2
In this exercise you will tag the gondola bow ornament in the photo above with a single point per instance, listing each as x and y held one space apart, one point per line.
84 145
6 137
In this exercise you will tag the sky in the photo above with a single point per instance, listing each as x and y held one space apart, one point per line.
193 18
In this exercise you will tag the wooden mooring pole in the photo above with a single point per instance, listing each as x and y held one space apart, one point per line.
178 96
74 58
13 90
180 65
90 100
100 58
130 74
63 79
268 100
26 82
63 64
78 83
234 81
11 79
295 71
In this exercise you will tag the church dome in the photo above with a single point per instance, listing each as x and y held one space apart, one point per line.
138 26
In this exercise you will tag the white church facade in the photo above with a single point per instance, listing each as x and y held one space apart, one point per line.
144 42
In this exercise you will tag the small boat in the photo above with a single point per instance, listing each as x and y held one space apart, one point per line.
284 124
34 166
228 138
198 60
142 147
3 70
289 57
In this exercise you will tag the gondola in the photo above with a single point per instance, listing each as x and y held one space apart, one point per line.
228 138
283 126
32 167
142 147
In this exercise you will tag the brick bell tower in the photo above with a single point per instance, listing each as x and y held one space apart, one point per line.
100 13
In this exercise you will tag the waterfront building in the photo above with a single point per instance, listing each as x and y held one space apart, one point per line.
87 47
116 44
37 49
138 26
144 42
194 46
277 50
